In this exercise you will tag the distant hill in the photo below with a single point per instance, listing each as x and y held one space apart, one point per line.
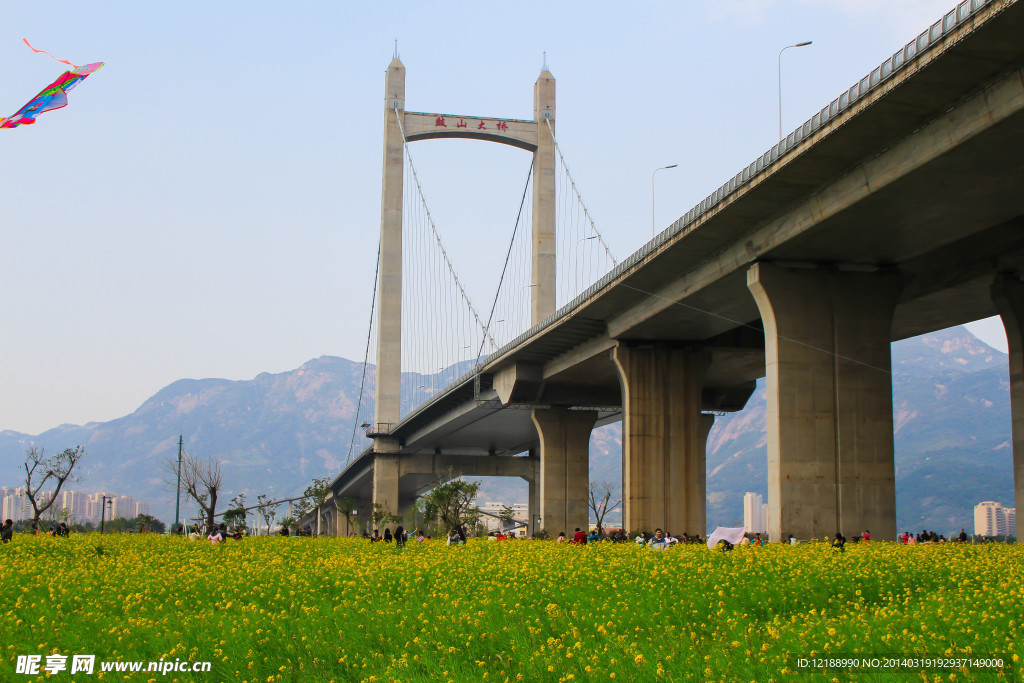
276 432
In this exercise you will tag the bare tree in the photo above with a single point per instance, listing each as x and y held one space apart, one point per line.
201 479
599 497
56 469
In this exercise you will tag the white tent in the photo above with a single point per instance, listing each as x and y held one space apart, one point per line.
723 533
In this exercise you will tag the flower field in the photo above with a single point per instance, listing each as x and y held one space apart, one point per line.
301 609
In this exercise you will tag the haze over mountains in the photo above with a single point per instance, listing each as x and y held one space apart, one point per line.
276 432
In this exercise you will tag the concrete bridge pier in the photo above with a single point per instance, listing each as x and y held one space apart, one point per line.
564 467
533 497
829 384
386 475
664 437
1008 296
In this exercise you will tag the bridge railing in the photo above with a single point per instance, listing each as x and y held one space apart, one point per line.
900 60
911 52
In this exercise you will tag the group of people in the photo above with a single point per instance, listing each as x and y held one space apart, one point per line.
659 539
218 534
929 537
61 530
400 537
663 539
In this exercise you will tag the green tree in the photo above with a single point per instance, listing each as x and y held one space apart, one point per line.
382 516
149 523
347 509
267 510
507 515
452 501
235 515
316 494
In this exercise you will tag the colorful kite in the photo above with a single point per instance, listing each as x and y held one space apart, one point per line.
53 96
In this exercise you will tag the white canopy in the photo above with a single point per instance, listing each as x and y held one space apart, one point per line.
732 534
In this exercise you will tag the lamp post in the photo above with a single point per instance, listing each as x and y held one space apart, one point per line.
803 44
663 168
106 500
520 294
177 500
576 261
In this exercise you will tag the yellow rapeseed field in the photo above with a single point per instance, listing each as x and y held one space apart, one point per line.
301 609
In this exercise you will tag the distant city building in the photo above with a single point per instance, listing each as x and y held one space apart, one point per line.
992 519
755 514
489 508
82 506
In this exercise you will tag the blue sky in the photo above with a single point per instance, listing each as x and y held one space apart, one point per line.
208 203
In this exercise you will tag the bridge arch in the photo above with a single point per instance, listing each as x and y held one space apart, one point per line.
513 132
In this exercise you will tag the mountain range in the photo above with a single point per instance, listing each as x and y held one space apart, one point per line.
276 432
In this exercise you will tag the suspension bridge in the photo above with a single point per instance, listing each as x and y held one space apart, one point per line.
896 210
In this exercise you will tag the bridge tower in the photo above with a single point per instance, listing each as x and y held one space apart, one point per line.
536 136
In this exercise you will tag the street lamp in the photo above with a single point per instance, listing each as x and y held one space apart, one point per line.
520 294
177 499
663 168
803 44
107 500
576 261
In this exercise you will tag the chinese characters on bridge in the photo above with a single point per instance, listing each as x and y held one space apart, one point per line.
440 122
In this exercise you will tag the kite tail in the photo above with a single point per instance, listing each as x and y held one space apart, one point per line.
62 61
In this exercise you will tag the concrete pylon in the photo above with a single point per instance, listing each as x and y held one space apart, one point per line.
664 438
389 326
564 467
388 388
829 387
1008 296
542 300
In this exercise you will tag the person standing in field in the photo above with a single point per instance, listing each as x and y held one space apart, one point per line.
659 541
7 531
453 537
963 536
400 537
